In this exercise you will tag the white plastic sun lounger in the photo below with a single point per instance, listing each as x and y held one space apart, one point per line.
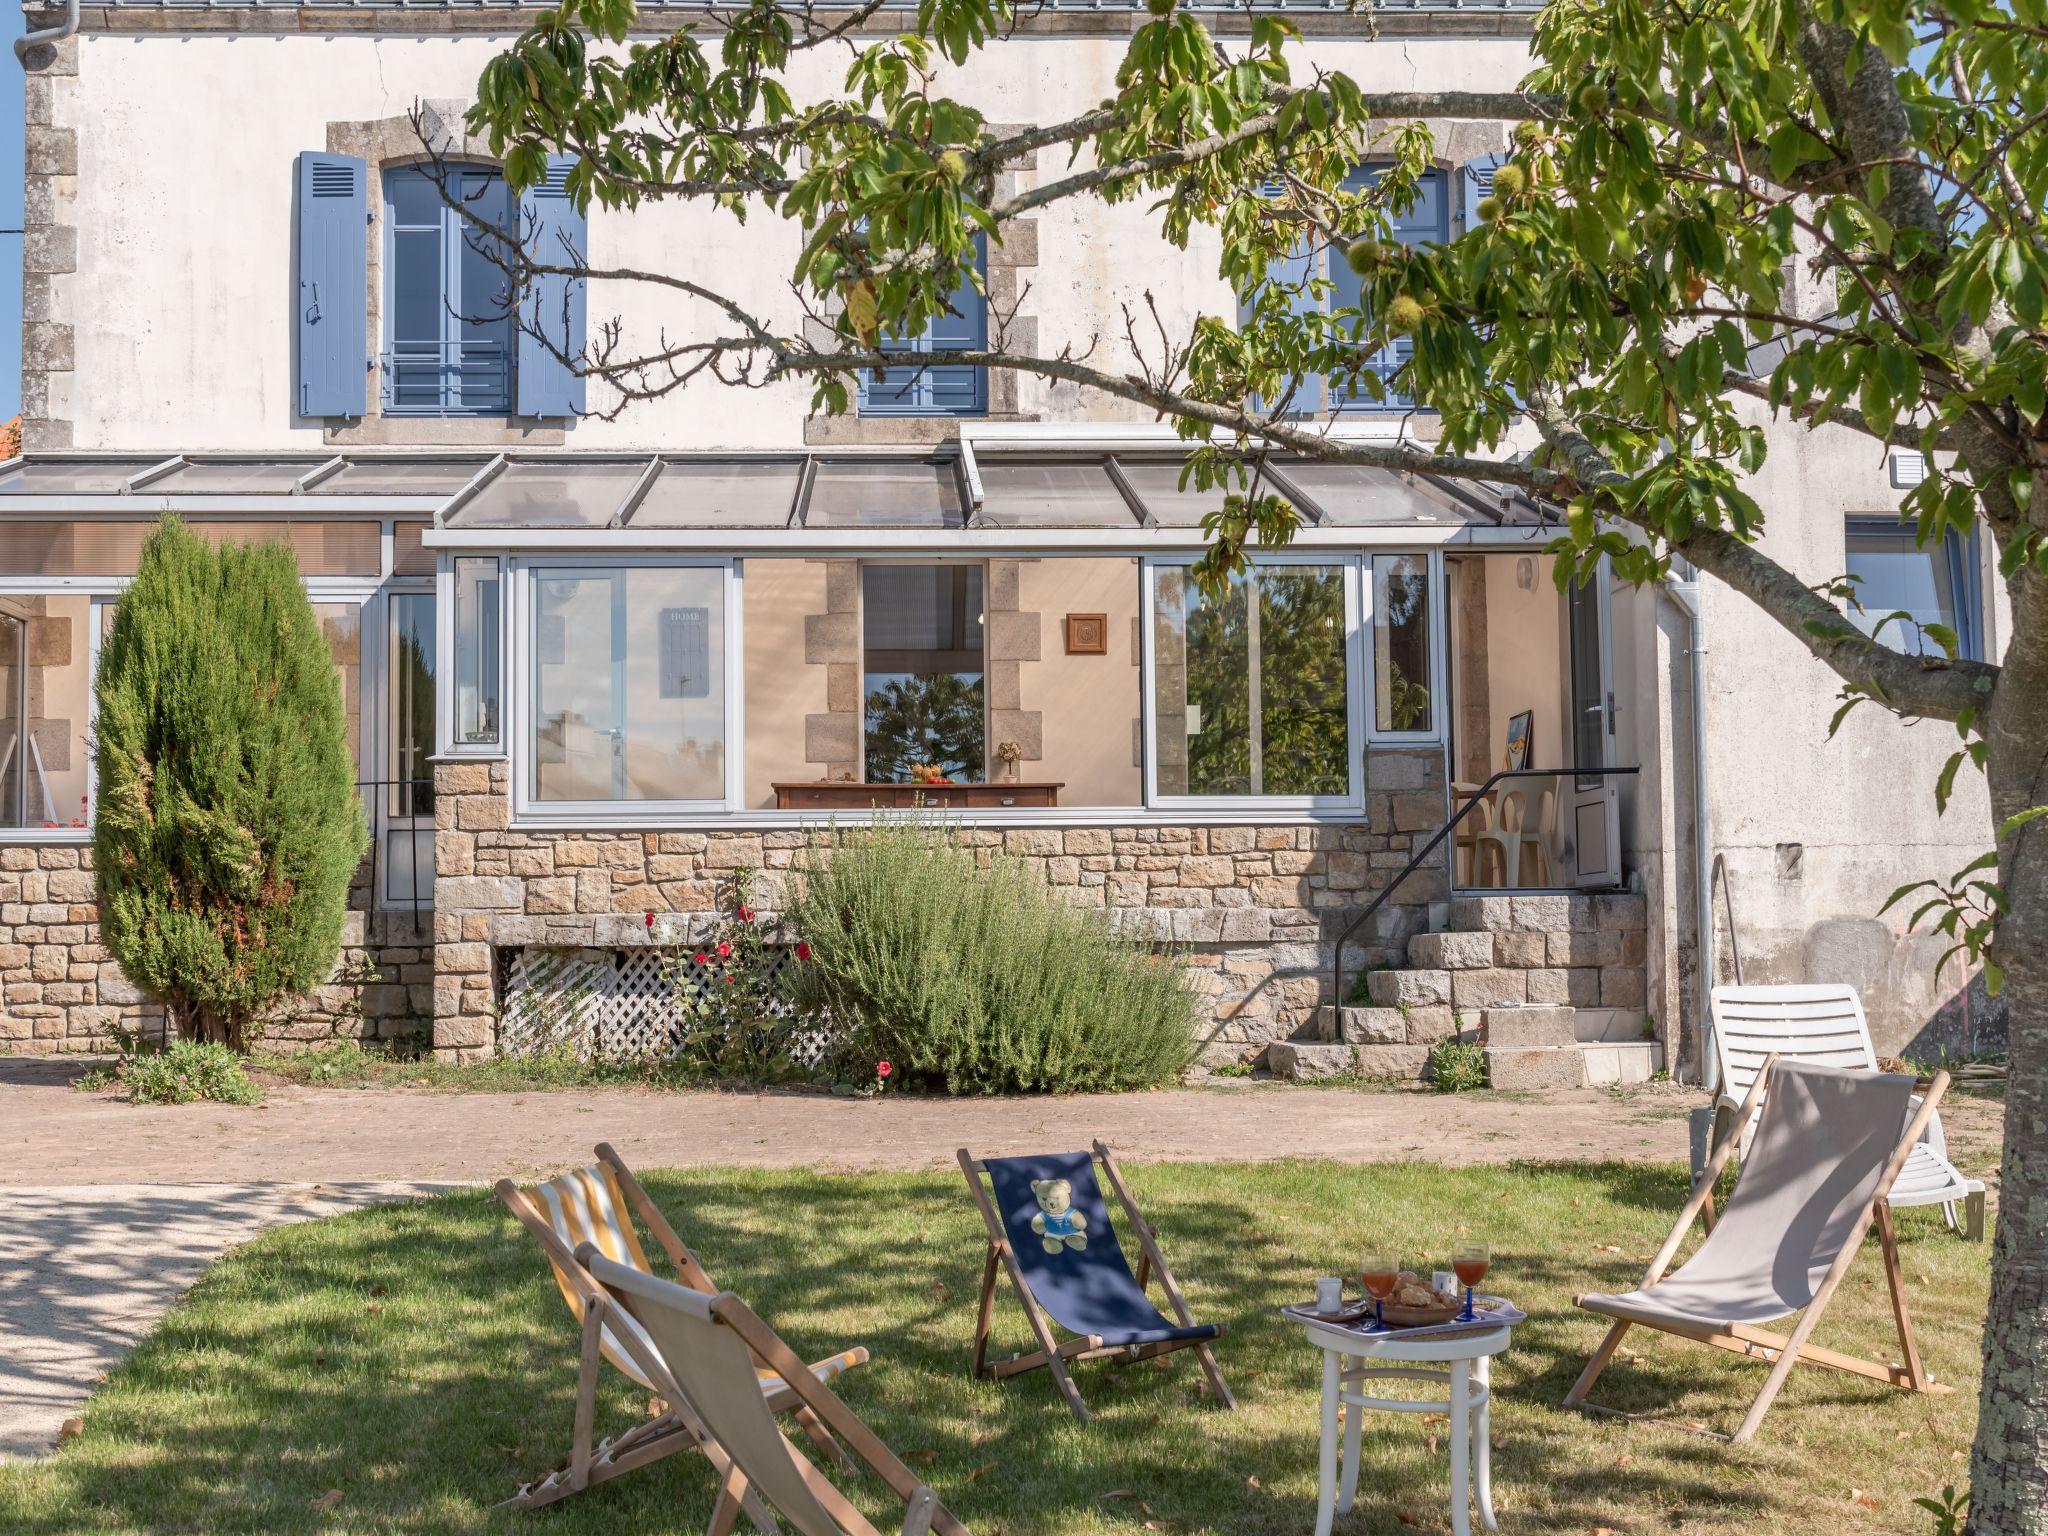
1830 1143
1824 1023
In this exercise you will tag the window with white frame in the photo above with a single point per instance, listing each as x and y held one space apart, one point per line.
476 640
1253 692
1404 645
1938 586
627 692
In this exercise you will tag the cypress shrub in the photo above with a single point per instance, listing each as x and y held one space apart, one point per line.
967 972
228 826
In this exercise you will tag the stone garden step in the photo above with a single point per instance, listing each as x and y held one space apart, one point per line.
1305 1061
1530 1028
1553 1066
1414 989
1455 951
1386 1026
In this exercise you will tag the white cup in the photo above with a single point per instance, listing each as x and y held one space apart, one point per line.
1444 1283
1330 1294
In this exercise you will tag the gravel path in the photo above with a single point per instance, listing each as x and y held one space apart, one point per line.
52 1134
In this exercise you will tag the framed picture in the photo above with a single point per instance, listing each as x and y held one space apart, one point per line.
1087 634
1521 731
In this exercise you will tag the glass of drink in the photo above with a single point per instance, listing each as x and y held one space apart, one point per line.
1378 1272
1470 1264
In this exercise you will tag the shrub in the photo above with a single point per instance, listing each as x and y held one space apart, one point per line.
735 1018
228 827
974 976
1457 1068
189 1071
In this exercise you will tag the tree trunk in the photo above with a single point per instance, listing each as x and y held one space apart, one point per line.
2009 1470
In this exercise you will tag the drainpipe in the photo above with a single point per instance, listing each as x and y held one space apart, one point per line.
55 34
1689 600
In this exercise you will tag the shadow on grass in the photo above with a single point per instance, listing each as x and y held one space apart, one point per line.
417 1361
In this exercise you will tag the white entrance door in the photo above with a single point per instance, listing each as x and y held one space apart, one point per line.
1593 804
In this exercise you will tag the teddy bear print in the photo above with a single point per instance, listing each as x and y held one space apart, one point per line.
1057 1223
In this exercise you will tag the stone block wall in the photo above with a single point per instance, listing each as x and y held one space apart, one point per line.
61 991
1259 907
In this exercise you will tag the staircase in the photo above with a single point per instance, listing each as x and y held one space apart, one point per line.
1553 987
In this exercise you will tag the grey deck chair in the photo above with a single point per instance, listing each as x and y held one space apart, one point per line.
1829 1146
1824 1022
711 1342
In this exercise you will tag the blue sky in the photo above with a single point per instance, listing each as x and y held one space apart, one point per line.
10 215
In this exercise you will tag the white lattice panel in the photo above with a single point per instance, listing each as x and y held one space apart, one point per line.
616 1004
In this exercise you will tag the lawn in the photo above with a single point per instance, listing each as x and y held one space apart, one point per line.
417 1361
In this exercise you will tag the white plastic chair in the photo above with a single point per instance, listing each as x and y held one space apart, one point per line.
1516 831
1824 1023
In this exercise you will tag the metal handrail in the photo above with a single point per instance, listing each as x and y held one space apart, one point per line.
1472 801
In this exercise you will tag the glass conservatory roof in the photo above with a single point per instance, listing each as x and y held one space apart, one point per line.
1014 487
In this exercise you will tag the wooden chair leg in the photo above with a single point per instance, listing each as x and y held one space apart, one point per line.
1909 1347
984 1318
586 1398
1596 1365
1721 1128
821 1437
1209 1369
1064 1379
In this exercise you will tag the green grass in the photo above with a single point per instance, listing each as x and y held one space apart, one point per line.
347 1064
418 1360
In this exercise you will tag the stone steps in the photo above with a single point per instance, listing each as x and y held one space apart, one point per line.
1580 1065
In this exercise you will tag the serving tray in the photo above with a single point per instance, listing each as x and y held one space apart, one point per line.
1494 1312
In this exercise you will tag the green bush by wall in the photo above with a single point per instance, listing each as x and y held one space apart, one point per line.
967 972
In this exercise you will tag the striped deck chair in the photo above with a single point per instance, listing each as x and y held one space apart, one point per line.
597 1204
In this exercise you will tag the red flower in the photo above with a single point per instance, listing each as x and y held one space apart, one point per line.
702 958
883 1069
803 951
724 950
746 914
650 919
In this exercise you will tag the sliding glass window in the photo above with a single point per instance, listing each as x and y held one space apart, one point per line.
1253 692
627 687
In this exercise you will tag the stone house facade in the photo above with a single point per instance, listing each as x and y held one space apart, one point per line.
595 662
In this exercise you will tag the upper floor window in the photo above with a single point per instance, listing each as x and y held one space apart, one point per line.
448 346
1933 584
923 385
1427 219
448 334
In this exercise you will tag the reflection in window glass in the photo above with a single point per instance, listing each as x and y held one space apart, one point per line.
922 672
13 713
1400 633
629 684
46 676
1251 685
412 702
478 650
341 628
1932 584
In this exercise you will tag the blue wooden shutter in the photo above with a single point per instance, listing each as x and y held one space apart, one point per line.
1294 272
555 233
334 283
960 390
1478 184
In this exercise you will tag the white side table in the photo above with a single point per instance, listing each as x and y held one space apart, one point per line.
1353 1361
